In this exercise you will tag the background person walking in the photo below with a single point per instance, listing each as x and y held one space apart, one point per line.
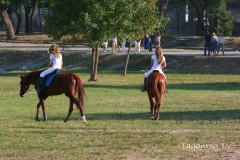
207 43
147 43
221 43
214 44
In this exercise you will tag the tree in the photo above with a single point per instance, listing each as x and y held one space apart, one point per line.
94 20
4 6
223 19
142 18
163 5
17 8
203 9
30 7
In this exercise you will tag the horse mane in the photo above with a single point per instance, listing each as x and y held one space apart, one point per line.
30 77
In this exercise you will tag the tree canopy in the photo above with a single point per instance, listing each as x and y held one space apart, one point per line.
95 20
223 19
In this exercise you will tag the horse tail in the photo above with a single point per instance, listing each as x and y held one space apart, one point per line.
158 88
80 90
156 91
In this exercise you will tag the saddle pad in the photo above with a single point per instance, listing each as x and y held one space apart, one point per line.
49 80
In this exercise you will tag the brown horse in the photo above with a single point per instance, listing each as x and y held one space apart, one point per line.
155 88
67 83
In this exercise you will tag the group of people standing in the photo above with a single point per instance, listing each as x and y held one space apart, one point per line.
120 45
213 44
148 40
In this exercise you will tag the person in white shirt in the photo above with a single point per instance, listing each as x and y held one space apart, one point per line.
105 44
221 43
55 62
158 62
158 40
123 44
138 46
114 44
214 44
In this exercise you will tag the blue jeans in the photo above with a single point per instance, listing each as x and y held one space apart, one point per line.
220 45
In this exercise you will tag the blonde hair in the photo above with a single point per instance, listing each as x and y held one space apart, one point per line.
54 50
159 55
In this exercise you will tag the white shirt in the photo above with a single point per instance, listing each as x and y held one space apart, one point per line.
220 39
114 39
158 39
56 62
155 65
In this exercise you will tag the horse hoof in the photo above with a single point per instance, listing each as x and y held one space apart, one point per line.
156 118
37 119
83 118
65 121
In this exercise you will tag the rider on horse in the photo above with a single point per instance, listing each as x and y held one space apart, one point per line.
158 62
55 62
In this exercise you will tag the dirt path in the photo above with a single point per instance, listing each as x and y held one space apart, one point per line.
86 49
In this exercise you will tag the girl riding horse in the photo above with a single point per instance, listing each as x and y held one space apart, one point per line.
158 62
55 62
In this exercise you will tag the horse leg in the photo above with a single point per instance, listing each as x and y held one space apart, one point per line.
69 111
158 106
156 114
151 106
37 114
79 105
43 109
41 102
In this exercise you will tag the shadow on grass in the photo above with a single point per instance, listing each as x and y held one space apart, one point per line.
193 86
207 86
206 115
187 115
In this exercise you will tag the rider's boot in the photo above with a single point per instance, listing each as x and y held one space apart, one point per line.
143 88
41 87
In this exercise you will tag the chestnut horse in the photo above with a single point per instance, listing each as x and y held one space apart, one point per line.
67 83
156 84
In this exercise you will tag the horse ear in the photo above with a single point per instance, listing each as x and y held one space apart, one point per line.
20 76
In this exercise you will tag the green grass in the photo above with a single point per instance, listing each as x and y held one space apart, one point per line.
200 109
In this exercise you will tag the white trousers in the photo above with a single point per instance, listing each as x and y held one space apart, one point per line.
47 71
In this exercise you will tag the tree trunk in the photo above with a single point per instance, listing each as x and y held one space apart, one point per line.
127 59
162 7
199 25
27 18
8 24
96 64
19 21
33 15
93 63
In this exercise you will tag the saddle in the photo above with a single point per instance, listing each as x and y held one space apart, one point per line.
49 78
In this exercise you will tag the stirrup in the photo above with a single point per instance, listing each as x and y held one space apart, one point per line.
41 90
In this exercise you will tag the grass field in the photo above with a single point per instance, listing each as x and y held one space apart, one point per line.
199 119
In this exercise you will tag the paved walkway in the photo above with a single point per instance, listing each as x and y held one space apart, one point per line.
86 49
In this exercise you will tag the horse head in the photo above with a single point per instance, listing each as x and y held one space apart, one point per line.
27 80
24 85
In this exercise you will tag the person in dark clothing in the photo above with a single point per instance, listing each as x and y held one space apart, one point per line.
208 38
